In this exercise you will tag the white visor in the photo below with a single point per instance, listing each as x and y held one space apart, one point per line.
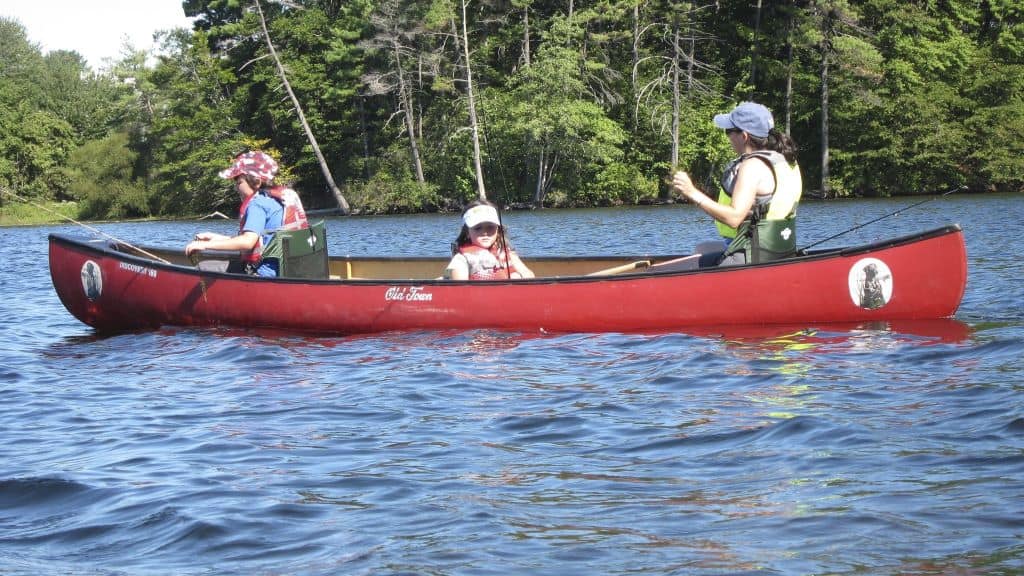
480 214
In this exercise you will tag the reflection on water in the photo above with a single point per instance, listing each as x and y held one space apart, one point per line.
937 330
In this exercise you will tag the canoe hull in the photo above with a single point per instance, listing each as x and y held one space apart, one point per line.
917 277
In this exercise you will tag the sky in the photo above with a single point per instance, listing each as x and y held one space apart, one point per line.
96 29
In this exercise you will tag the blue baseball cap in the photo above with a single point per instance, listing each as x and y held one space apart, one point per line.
750 117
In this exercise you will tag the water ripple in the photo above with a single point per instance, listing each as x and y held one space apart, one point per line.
883 448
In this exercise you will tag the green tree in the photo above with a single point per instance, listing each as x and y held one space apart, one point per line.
547 111
34 148
34 141
677 91
193 131
995 89
91 103
101 176
908 131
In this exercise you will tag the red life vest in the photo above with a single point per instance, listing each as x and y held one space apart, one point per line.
294 213
294 217
487 265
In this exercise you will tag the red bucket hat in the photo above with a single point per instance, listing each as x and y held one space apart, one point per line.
254 163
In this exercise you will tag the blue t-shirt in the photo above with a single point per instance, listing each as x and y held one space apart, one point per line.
264 216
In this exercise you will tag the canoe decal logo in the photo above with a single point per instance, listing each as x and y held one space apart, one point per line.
407 294
92 280
870 283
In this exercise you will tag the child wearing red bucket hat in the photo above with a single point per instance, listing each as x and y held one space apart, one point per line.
265 209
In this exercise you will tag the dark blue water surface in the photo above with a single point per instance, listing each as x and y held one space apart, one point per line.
878 449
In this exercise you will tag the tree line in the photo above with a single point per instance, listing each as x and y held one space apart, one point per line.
384 106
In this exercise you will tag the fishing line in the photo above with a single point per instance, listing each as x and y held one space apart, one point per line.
504 189
86 226
859 226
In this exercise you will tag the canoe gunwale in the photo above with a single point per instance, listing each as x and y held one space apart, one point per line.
120 251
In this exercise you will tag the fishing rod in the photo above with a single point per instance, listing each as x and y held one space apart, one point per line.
502 235
859 226
86 226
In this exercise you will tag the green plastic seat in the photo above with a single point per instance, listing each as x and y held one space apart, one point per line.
301 253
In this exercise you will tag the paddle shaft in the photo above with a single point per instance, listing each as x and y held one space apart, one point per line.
904 209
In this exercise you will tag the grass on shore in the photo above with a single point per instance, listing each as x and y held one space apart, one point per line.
46 212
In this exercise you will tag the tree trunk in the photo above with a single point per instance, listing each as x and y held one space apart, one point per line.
789 69
410 122
526 62
676 50
691 57
636 45
473 125
365 133
753 51
526 36
825 50
538 193
338 196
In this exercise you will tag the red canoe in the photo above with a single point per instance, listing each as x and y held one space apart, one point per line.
112 286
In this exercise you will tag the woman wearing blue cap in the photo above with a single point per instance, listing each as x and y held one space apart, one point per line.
760 190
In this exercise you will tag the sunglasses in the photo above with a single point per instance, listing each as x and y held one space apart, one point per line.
732 131
485 229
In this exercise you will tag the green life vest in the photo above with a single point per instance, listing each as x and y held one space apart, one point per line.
769 232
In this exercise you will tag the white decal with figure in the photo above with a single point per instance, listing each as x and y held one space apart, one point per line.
92 280
871 283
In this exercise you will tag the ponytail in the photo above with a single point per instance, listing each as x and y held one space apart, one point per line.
778 142
783 144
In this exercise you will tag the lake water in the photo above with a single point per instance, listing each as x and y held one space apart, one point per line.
876 450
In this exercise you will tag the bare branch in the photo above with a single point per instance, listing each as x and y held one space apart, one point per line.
254 60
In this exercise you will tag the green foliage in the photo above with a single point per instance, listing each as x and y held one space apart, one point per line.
991 164
16 213
617 184
20 64
92 104
193 132
547 109
34 144
994 158
704 150
100 176
1008 24
385 194
34 141
922 96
